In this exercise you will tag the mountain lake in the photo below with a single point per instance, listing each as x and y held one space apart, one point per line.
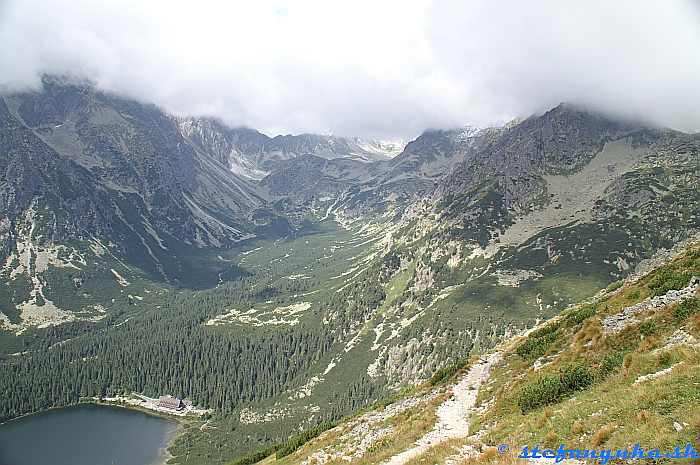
86 435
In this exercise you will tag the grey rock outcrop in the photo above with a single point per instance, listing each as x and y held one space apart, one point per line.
627 317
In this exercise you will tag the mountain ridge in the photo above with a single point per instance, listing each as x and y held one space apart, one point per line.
254 155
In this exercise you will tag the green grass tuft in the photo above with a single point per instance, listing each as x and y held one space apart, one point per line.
611 362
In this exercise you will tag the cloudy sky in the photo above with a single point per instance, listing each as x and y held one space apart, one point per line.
367 68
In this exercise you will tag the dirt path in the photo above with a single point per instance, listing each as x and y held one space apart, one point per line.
453 414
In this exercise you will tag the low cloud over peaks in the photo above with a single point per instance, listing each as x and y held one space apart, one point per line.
366 69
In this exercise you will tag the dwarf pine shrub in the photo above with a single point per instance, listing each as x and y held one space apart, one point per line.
687 308
539 341
552 389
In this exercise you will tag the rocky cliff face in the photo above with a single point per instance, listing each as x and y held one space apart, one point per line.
434 153
561 141
30 168
114 169
252 154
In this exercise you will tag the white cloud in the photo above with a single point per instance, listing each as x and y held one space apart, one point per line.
367 68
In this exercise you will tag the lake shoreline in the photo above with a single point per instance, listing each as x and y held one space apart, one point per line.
153 413
163 453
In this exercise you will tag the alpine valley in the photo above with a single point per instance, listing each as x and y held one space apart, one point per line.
288 282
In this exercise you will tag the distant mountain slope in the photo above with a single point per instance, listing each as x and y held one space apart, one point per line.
129 148
254 155
433 153
564 169
116 171
514 161
521 228
617 370
351 189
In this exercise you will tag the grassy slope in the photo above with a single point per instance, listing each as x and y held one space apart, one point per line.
612 412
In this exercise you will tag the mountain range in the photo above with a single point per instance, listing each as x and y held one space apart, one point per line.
345 270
